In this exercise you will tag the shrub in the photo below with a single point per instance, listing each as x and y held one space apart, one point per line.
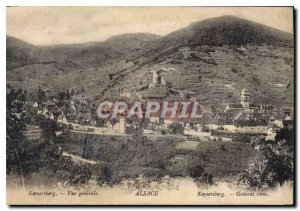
176 128
239 137
222 148
199 175
70 127
104 175
274 169
80 174
196 171
205 129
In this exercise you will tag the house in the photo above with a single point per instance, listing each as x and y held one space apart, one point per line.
50 106
273 126
120 126
244 130
168 122
83 117
62 118
154 119
234 107
35 105
279 123
49 115
125 94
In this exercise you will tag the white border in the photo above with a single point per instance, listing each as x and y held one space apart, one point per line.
5 3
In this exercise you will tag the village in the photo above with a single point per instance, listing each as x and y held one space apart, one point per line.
222 122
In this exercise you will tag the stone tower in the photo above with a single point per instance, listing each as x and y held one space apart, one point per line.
157 78
245 98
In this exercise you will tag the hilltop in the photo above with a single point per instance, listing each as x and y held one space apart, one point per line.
220 31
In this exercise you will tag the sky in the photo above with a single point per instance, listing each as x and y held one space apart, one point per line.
66 25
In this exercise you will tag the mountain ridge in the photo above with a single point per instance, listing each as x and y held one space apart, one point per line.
213 58
82 53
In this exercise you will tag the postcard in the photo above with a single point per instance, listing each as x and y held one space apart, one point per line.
150 106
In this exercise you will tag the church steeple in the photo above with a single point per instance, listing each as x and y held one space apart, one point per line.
245 98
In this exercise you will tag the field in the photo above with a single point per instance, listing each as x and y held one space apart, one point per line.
127 159
188 145
224 160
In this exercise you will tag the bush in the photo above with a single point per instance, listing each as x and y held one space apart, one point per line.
200 176
205 129
239 137
222 148
104 174
274 169
196 171
176 128
70 127
80 174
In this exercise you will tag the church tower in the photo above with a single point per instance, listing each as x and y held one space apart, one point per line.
245 98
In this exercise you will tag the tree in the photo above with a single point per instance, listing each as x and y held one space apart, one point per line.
39 158
48 127
286 135
61 96
275 168
176 128
104 174
138 133
197 172
240 137
14 139
41 96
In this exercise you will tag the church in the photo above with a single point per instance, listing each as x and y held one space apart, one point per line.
245 105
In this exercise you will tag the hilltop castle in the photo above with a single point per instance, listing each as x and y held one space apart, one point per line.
158 78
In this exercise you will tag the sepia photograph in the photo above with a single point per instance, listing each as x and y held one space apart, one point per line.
150 105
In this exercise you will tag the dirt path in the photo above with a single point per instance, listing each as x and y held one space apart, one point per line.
79 159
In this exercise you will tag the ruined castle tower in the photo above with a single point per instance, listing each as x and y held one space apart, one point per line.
157 78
